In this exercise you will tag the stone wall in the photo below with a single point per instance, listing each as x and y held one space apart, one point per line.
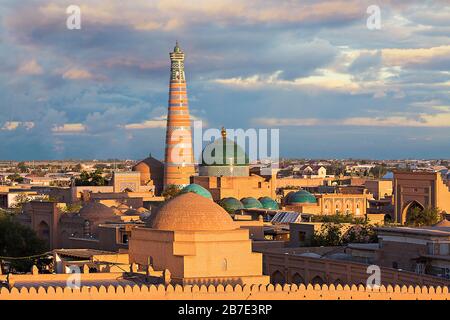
238 292
285 268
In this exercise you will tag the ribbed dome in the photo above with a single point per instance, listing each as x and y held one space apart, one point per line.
95 210
231 204
301 196
251 203
192 212
268 203
224 152
198 189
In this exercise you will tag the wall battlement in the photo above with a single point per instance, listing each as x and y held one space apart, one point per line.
238 292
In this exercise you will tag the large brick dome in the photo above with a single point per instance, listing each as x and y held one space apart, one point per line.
192 212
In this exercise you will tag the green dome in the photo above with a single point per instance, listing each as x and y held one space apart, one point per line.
301 196
224 152
268 203
195 188
251 203
231 204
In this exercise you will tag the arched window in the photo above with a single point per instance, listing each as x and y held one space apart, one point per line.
224 265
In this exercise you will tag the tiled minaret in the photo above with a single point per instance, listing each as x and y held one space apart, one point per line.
179 160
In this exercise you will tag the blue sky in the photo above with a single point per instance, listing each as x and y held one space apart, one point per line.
313 69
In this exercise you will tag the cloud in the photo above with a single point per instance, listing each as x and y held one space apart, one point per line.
440 120
77 74
31 67
159 122
102 90
13 125
69 128
324 79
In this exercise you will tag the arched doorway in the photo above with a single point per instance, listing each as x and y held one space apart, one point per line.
413 205
277 278
43 231
297 279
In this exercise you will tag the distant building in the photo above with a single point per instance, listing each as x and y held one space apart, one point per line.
303 201
419 190
379 188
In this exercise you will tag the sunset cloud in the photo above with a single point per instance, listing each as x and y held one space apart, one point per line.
312 68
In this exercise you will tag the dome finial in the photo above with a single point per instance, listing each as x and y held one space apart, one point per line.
177 47
224 132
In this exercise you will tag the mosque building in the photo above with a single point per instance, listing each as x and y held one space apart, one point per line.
198 242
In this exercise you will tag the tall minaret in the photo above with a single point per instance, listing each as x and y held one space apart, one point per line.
179 159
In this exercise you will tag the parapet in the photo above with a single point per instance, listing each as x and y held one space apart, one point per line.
237 292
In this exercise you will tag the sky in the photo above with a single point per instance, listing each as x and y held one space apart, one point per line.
312 69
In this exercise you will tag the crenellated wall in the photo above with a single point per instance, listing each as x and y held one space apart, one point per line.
238 292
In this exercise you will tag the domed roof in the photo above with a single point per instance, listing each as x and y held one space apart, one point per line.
231 204
224 152
301 196
96 210
268 203
148 164
192 212
251 202
198 189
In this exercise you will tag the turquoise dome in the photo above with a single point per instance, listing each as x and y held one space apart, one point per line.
198 189
231 204
301 196
251 203
224 152
268 203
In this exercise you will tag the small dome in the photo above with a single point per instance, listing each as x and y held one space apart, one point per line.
301 196
268 203
198 189
231 205
251 203
192 212
95 210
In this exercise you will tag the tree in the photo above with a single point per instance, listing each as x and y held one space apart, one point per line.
426 217
329 235
20 200
22 167
171 191
17 240
91 179
378 171
15 178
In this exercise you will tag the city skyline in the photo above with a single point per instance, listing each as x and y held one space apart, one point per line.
334 88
